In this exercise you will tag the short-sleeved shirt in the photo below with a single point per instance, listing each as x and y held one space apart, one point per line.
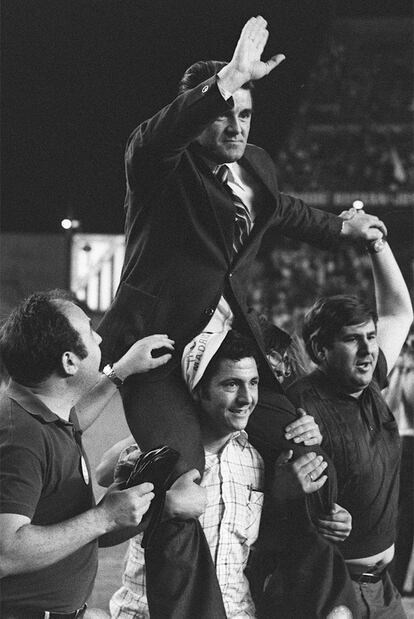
44 475
361 436
234 480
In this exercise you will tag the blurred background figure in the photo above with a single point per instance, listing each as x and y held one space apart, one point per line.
285 353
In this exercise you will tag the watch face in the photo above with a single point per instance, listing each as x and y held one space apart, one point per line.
110 373
107 370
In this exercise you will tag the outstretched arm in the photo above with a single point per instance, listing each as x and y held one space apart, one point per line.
395 312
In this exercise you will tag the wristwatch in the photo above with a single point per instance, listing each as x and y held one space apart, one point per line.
110 373
374 247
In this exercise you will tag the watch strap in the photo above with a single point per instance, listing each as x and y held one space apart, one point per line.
111 374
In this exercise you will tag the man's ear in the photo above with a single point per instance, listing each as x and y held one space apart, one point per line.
318 350
70 363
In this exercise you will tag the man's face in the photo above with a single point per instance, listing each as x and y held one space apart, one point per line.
231 396
352 358
89 366
225 139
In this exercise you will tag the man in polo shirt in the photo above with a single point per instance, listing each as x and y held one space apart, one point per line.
49 524
355 347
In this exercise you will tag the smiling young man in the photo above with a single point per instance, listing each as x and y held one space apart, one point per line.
355 347
229 512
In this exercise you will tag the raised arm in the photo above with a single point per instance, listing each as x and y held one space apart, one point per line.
395 312
159 142
136 360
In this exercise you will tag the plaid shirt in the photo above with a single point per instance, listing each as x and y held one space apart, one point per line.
234 480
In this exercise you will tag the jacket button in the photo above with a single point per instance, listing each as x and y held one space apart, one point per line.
209 311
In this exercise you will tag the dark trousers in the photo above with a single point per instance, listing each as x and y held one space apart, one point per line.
294 572
181 577
405 522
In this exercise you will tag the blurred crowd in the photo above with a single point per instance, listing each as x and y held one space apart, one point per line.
286 281
348 82
350 157
354 128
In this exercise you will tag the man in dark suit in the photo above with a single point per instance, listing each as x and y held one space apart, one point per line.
188 249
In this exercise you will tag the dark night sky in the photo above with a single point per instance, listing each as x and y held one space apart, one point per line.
78 76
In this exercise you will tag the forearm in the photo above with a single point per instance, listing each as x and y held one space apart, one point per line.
391 292
299 221
137 360
34 547
119 537
92 403
394 308
230 79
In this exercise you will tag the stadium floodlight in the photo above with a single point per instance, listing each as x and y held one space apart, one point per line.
70 224
358 204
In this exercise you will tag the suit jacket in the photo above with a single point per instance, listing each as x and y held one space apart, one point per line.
179 230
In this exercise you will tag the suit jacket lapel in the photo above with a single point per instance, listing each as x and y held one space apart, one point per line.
222 207
267 206
267 180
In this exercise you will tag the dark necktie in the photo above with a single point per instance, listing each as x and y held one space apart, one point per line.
243 222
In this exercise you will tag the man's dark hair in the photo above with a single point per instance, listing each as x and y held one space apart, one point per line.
329 315
201 71
35 336
234 347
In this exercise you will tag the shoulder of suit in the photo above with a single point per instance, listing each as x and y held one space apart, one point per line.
257 153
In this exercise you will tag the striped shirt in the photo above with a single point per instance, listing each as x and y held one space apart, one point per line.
234 480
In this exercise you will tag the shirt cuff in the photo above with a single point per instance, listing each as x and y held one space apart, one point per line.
224 93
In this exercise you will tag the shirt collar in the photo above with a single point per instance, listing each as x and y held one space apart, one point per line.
32 404
239 437
234 172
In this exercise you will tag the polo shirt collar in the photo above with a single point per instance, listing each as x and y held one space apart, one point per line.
32 404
